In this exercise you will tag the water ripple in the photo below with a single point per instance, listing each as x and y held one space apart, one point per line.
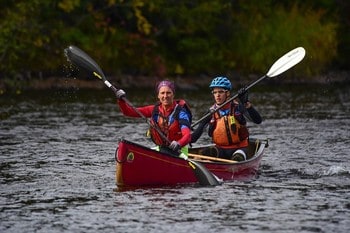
57 169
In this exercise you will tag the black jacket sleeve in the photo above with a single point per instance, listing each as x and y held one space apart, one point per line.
254 115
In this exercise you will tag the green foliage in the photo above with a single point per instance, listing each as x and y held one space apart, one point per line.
19 35
187 35
68 5
271 32
169 37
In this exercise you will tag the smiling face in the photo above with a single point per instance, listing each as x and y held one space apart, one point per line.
220 95
166 96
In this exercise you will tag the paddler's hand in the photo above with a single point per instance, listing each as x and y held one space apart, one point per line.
175 146
120 93
243 95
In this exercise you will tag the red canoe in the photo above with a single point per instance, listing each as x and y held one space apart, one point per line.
137 165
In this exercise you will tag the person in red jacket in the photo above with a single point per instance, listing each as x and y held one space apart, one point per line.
227 125
170 119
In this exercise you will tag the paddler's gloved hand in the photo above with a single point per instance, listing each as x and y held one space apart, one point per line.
175 146
120 93
243 95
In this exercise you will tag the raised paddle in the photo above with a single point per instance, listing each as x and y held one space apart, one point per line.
284 63
81 59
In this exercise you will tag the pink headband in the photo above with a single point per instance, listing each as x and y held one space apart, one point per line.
167 84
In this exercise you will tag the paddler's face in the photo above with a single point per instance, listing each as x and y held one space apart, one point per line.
166 96
220 95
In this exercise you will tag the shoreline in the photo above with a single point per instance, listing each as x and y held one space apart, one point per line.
183 83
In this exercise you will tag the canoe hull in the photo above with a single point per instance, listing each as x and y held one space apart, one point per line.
137 165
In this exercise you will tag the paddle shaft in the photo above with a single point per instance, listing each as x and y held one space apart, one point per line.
81 59
196 156
211 111
284 63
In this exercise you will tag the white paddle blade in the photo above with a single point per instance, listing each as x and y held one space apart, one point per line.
287 61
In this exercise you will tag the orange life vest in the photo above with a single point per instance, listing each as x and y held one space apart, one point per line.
228 132
172 130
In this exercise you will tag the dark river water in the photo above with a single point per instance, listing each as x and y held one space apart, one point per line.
57 168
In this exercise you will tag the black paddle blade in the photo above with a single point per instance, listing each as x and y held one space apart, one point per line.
204 176
80 59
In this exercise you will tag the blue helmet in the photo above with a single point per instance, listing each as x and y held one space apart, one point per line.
222 82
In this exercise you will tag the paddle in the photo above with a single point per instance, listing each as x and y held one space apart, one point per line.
211 158
79 58
284 63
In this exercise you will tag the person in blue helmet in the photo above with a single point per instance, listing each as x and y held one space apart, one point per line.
228 125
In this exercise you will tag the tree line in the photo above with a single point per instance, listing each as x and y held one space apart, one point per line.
172 37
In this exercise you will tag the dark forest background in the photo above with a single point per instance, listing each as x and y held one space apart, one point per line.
167 38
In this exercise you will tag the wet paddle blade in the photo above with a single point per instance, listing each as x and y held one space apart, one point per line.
79 58
287 61
204 176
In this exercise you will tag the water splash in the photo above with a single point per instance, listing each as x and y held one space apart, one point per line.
336 171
